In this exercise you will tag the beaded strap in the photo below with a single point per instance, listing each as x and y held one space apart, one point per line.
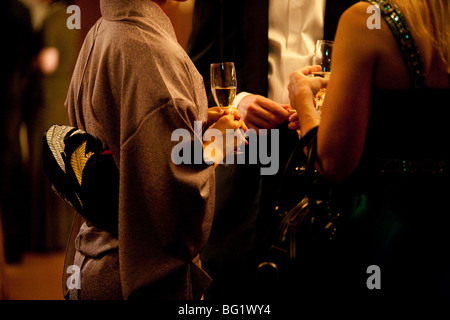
402 33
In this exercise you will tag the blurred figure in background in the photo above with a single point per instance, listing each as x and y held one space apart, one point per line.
16 65
50 217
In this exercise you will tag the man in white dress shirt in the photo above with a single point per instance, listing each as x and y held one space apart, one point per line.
294 28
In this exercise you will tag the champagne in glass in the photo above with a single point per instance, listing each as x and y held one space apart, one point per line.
223 83
224 96
322 57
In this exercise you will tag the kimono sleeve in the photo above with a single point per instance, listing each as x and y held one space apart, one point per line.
165 210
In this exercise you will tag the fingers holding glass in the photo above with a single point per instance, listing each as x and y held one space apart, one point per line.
322 57
224 85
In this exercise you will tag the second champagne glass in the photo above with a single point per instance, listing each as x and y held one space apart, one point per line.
322 57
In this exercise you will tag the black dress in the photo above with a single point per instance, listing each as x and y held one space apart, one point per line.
400 216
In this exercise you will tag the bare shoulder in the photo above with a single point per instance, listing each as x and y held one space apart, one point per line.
364 28
363 18
358 7
361 30
357 13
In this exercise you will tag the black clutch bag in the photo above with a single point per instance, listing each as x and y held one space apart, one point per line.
308 220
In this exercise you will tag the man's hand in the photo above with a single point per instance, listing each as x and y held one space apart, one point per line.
259 112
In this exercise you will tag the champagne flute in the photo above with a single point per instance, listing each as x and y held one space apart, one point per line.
224 85
322 57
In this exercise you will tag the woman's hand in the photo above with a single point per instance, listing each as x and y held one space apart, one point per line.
215 113
224 136
293 120
302 90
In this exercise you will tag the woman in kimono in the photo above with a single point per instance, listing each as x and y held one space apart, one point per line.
132 87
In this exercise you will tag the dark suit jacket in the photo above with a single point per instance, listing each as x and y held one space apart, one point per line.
236 30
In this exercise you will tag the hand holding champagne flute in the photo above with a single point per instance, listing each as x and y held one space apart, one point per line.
322 57
224 86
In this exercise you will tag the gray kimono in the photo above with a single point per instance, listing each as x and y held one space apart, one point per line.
133 85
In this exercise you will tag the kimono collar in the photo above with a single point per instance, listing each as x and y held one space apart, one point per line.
122 9
137 11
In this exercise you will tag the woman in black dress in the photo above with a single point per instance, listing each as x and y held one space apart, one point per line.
383 138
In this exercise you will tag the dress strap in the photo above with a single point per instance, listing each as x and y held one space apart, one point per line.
400 28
